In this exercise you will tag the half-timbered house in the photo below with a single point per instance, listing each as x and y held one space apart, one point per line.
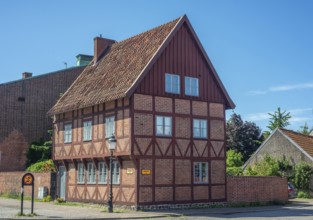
160 95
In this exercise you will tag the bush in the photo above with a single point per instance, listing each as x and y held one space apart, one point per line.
42 166
233 163
302 176
60 200
47 199
267 167
303 194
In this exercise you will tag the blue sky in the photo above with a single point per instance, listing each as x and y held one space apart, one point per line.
262 50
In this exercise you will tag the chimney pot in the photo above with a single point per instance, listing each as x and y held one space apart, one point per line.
83 60
100 45
26 75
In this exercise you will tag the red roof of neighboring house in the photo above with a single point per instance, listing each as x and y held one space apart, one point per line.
304 141
121 69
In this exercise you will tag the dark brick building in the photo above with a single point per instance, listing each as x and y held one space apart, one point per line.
161 97
23 111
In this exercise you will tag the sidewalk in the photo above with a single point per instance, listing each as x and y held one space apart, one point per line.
10 207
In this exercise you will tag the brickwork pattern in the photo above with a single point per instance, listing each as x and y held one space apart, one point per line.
143 102
10 182
24 107
217 110
163 171
163 104
13 152
182 106
256 189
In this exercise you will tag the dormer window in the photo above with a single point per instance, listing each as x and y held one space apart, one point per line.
191 86
172 83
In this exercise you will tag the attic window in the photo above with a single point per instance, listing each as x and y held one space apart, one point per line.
21 99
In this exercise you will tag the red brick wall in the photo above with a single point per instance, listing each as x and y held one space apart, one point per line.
10 182
29 117
256 189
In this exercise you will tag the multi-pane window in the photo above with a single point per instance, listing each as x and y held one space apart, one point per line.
200 172
91 173
87 131
116 172
172 83
191 86
163 125
109 126
200 128
80 173
68 133
102 173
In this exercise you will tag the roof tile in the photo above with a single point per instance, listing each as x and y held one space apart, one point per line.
115 73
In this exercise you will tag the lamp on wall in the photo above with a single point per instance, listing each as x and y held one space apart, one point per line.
112 146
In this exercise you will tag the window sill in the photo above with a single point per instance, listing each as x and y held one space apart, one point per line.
87 140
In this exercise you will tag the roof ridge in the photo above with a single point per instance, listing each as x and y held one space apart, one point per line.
144 32
297 133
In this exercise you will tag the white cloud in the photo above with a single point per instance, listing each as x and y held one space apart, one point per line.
297 115
282 88
291 87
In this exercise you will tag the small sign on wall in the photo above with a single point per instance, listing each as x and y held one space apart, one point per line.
130 171
145 172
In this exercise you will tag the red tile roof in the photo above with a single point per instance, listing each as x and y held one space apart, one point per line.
304 141
121 69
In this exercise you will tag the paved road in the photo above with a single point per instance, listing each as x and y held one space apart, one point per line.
302 210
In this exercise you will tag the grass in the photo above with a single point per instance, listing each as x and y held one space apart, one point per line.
26 215
16 196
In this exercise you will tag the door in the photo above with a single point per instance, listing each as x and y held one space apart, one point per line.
62 182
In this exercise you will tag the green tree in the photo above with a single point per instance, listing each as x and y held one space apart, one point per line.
305 129
303 173
39 151
233 163
278 120
267 167
243 137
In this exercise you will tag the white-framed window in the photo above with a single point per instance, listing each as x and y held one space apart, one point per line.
200 128
200 172
109 126
116 172
68 133
102 173
87 131
172 83
80 173
91 173
191 86
163 125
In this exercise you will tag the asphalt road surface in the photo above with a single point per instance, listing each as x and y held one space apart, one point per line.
298 209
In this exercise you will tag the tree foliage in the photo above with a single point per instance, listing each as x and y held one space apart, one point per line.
305 129
233 163
242 137
279 119
302 176
42 166
39 151
267 167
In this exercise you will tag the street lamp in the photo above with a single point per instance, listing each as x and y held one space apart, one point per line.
112 145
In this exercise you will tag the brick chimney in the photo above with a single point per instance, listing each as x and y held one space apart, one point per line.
100 45
26 75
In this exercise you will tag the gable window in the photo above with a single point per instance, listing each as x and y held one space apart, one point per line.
68 133
200 172
80 173
163 126
200 128
191 86
116 172
102 173
109 126
172 83
87 131
91 173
